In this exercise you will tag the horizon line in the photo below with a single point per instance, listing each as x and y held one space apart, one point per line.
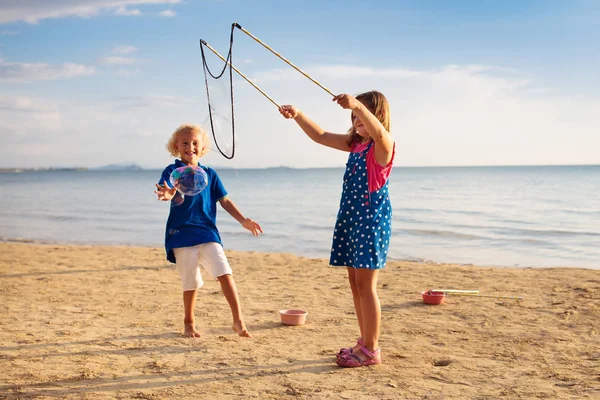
118 167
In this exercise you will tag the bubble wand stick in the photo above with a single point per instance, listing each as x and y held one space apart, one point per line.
282 57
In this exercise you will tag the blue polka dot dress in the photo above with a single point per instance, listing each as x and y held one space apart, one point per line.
361 237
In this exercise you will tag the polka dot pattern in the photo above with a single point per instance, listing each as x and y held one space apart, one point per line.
362 232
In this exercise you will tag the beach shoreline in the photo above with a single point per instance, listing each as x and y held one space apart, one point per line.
416 260
111 318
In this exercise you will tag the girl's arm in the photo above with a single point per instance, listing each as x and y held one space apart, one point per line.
314 131
247 223
384 144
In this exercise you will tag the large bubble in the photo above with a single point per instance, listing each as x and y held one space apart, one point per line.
189 180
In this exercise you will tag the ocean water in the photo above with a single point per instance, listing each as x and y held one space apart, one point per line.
500 216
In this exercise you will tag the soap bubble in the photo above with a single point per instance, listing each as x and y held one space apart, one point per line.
189 180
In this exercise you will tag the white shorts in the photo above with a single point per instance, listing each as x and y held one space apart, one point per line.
211 256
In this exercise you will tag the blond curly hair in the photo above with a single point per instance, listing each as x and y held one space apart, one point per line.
172 143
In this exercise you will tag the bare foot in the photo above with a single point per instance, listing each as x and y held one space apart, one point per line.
240 328
190 330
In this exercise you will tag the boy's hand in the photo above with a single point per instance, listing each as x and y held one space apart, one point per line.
289 112
165 193
346 101
252 226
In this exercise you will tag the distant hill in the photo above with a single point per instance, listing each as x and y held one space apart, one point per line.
118 167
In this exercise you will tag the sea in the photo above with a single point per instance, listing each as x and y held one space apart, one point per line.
530 217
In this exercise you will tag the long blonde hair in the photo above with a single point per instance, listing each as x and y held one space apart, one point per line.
376 103
172 143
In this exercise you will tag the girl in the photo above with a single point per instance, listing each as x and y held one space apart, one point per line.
192 234
363 227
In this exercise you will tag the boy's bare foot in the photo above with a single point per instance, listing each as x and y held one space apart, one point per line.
190 330
240 328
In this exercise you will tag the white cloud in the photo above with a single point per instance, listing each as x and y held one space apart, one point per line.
124 49
149 101
128 12
168 13
116 60
8 33
27 72
116 131
33 11
120 60
127 72
24 115
454 115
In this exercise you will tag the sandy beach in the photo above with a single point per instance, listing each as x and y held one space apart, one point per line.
91 322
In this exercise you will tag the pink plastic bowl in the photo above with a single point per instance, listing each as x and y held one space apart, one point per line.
434 298
293 317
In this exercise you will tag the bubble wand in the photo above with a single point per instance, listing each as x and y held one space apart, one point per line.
282 57
203 42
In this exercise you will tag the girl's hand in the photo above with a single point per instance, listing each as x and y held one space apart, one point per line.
289 112
346 101
165 193
252 226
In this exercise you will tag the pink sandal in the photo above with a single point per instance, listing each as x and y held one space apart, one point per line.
352 360
348 350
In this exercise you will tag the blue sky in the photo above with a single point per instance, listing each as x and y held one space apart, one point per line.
96 82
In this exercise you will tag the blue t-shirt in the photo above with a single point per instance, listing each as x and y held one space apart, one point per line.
194 221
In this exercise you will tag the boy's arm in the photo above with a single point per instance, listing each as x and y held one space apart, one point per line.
247 223
164 192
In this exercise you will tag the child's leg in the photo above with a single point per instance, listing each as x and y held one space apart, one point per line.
230 292
215 262
356 299
189 302
191 279
366 285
